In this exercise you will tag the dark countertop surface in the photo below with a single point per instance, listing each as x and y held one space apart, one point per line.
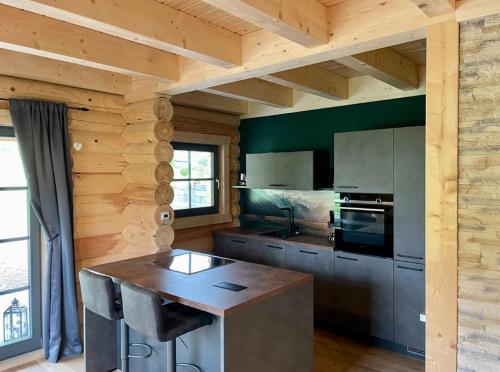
197 290
253 232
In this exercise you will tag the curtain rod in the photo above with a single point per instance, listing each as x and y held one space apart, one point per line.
72 108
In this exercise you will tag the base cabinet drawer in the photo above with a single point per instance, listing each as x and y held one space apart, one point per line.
320 263
409 303
268 252
364 294
233 246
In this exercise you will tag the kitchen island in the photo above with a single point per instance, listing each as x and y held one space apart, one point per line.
266 326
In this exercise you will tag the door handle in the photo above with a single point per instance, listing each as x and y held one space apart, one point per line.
412 257
361 209
277 185
345 187
409 268
308 252
347 258
274 246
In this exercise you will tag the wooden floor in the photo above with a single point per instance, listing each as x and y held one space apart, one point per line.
333 353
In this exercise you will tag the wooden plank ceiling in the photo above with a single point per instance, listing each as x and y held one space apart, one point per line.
213 15
249 50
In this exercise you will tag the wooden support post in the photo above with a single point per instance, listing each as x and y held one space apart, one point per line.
441 187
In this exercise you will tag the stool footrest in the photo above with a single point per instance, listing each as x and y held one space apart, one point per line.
148 349
192 366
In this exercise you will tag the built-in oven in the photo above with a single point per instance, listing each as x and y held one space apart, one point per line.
364 223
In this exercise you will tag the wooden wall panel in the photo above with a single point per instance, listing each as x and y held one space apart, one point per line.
441 184
479 196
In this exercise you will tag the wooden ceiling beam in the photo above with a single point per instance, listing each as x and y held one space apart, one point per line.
433 8
212 102
34 34
357 26
258 91
312 79
147 22
302 21
386 65
51 71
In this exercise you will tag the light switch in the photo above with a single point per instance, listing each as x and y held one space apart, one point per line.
164 216
422 317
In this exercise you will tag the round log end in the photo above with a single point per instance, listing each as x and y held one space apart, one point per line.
164 172
164 194
164 151
164 236
234 151
164 130
161 211
163 109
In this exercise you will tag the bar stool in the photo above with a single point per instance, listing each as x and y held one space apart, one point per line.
99 296
144 311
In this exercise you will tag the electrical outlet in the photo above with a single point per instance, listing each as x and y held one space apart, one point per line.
164 216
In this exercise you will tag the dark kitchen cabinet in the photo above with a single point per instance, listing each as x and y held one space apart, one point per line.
233 246
297 170
268 252
364 294
409 194
320 263
409 303
364 161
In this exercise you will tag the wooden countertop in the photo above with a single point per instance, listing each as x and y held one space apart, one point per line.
197 290
253 232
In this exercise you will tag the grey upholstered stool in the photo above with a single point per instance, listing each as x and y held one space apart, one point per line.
144 311
99 296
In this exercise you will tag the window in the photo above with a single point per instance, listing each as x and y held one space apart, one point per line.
19 256
195 183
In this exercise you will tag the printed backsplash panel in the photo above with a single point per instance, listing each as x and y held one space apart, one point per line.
311 208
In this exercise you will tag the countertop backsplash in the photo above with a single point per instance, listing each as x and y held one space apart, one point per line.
311 208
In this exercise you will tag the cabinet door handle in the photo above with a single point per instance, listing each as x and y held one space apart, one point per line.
345 187
308 252
413 257
409 268
277 185
347 258
274 246
239 241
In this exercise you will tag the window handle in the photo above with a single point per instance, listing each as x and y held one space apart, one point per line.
217 182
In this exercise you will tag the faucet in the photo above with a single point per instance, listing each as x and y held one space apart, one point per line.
291 219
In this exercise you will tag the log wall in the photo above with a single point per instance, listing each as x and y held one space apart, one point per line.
479 196
121 181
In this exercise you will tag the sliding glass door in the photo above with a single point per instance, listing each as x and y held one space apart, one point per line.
20 310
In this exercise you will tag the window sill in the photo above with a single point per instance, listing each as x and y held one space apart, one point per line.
197 221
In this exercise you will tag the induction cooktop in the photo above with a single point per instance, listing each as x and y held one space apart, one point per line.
191 263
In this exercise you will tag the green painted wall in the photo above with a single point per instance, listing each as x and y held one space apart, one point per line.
314 130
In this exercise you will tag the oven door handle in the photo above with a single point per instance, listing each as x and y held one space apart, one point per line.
362 209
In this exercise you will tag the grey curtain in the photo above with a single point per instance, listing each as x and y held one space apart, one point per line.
41 130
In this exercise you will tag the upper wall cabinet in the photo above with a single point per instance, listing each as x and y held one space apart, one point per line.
300 170
364 162
409 194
